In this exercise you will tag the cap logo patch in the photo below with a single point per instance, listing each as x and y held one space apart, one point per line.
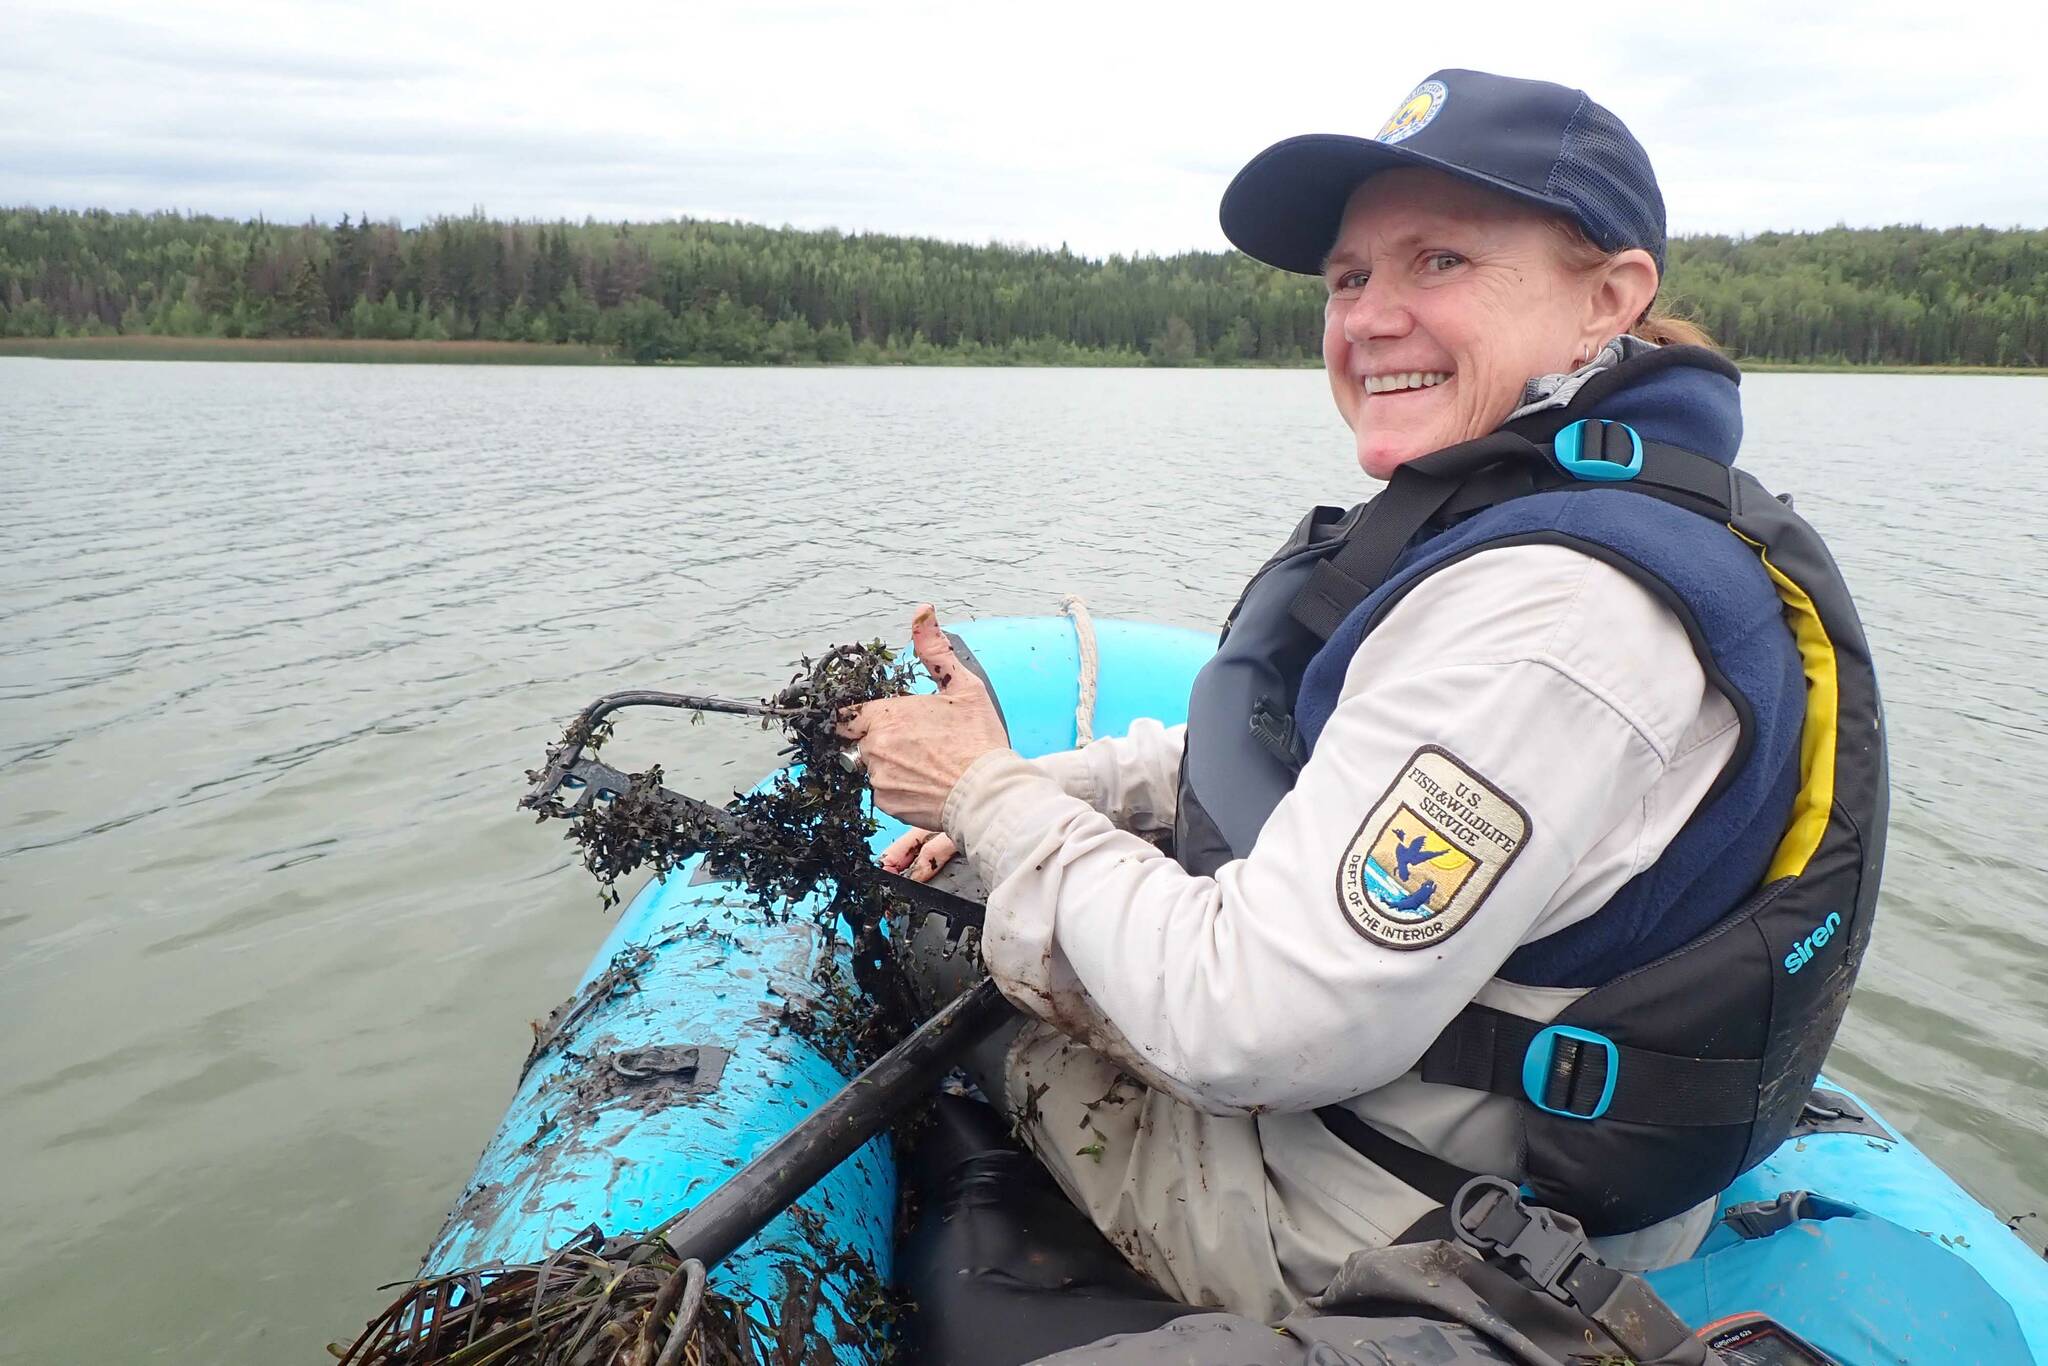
1415 112
1428 853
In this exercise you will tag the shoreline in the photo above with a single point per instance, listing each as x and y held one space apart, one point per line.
346 350
306 349
1816 367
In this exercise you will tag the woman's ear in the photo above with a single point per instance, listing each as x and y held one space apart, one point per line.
1625 286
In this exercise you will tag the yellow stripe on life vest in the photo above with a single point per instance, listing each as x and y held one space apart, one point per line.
1817 736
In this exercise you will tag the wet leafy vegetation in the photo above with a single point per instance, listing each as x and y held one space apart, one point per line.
628 1301
798 846
801 841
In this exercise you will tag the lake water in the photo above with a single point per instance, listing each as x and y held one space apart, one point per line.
277 641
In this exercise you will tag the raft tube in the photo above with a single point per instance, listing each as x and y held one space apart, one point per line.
668 1069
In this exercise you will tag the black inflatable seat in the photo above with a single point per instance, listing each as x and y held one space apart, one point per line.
1002 1269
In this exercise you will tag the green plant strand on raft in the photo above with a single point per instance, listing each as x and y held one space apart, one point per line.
613 1301
616 1302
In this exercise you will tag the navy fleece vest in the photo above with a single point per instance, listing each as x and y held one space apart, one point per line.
1720 591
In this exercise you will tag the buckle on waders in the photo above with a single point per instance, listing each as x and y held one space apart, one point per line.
1488 1216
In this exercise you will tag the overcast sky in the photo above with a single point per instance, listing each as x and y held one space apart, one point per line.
1110 126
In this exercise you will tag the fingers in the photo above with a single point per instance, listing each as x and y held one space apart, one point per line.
935 652
902 850
855 722
919 853
938 851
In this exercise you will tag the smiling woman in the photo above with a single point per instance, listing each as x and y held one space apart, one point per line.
1432 278
1478 780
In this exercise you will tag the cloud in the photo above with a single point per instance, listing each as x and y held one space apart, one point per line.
105 41
1112 127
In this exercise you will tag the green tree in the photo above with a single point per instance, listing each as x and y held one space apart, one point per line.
1236 342
1175 344
642 332
835 343
305 305
427 324
740 293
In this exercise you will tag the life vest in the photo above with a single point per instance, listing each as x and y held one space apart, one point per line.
1718 976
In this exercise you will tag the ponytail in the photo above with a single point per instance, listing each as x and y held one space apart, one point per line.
1668 329
1656 325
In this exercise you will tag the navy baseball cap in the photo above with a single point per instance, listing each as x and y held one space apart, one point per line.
1543 144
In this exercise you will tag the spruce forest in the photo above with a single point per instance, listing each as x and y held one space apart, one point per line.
727 293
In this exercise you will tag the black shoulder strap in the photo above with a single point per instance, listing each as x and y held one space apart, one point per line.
1412 1167
1362 562
1572 1072
1415 494
1457 481
1581 1074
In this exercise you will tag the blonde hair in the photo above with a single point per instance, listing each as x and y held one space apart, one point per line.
1654 324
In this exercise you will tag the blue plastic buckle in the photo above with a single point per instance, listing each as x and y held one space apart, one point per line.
1541 1058
1571 447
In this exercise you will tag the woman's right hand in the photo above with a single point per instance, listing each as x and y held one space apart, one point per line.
919 854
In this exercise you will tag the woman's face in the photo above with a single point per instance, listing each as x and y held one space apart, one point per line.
1445 299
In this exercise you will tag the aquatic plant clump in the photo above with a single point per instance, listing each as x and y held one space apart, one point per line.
807 830
808 827
625 1301
812 822
628 1300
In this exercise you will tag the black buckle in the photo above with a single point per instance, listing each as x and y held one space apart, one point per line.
1762 1218
1488 1216
1831 1112
1276 730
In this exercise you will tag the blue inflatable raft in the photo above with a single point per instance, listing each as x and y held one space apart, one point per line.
670 1067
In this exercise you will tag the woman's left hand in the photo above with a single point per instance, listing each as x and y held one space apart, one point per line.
916 748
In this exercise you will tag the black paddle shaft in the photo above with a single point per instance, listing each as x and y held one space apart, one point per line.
791 1165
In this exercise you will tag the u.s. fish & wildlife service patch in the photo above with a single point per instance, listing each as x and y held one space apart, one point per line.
1428 852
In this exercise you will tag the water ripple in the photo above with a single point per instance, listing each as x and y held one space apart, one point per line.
277 643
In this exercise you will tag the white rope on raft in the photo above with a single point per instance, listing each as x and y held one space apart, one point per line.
1073 605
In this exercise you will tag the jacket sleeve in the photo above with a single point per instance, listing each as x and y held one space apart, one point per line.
1133 779
1556 683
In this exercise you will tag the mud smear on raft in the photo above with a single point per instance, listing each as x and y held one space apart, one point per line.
616 1301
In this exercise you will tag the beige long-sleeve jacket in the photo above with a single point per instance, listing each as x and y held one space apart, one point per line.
1535 708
